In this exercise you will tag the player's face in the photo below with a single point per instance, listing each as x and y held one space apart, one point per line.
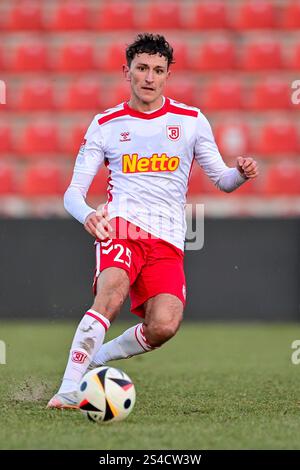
147 75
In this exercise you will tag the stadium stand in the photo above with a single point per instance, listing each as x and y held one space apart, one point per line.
236 61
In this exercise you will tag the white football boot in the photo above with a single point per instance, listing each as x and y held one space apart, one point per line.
64 401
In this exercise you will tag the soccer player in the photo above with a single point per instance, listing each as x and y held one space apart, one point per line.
148 145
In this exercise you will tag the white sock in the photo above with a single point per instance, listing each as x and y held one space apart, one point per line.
131 343
88 338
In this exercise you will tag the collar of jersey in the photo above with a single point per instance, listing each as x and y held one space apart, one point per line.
160 112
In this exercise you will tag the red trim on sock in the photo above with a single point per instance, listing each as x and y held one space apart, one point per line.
144 337
99 320
138 339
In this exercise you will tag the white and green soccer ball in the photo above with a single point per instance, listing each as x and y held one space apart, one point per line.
106 394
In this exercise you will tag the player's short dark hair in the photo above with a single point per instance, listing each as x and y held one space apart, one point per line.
151 44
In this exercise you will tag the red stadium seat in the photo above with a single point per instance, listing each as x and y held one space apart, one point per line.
83 94
283 179
295 59
182 90
215 54
255 14
117 94
5 139
114 16
195 186
159 16
73 139
261 55
7 179
70 16
223 93
38 139
76 56
42 179
208 15
99 184
278 138
270 93
113 57
180 55
25 15
233 139
2 59
30 56
36 95
290 18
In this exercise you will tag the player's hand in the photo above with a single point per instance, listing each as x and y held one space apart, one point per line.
97 224
247 167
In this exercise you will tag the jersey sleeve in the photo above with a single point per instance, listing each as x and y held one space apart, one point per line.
88 161
91 154
209 158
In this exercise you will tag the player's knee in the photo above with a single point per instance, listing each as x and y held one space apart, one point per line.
158 334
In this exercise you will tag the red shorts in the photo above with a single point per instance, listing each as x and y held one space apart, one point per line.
154 266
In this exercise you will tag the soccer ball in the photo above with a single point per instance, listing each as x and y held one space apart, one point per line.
106 394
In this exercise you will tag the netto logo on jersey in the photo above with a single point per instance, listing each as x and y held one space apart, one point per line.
134 164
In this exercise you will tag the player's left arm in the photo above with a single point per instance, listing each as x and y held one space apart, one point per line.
207 154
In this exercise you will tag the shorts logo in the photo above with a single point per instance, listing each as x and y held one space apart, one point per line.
79 357
173 132
184 291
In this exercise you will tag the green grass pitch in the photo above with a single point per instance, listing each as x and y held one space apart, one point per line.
213 386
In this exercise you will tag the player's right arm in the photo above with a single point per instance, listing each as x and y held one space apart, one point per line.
88 162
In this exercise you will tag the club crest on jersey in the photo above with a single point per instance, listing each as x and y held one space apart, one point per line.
173 132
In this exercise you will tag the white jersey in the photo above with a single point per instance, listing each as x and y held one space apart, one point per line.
149 157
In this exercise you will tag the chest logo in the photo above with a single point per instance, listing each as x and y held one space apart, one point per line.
173 132
134 164
124 137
